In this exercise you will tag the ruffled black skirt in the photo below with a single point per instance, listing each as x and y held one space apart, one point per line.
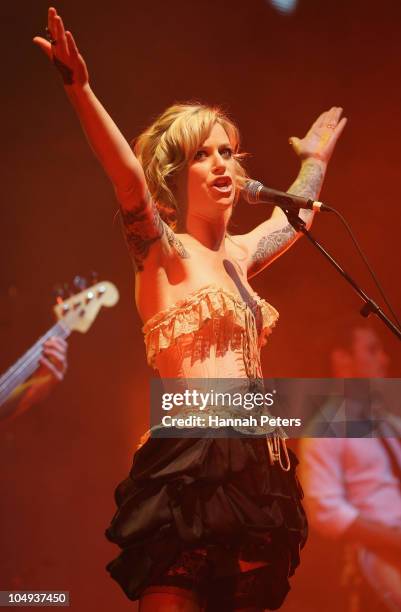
220 496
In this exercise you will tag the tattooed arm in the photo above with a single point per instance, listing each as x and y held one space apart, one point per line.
273 237
143 227
141 221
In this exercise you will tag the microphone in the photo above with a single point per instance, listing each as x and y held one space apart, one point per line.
256 193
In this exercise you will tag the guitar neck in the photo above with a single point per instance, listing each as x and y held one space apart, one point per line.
29 362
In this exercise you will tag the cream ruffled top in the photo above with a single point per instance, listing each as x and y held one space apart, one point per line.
210 333
213 333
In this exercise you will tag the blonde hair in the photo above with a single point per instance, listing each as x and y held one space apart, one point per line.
165 148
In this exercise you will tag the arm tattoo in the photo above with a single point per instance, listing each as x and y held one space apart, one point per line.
175 243
309 180
269 245
144 226
308 185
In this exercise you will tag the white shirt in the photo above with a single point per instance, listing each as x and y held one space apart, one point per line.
344 477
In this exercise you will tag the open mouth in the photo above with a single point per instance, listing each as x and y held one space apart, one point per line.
223 184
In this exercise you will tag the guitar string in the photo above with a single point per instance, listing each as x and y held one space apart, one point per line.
32 354
31 357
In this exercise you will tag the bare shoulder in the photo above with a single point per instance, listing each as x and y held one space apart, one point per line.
237 244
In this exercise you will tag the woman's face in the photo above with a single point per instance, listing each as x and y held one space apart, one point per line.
207 187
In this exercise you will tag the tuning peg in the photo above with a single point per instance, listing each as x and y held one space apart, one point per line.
60 292
79 283
94 276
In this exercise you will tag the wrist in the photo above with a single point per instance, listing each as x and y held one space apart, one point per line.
77 91
314 161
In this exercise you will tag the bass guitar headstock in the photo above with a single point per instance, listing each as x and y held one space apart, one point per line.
79 311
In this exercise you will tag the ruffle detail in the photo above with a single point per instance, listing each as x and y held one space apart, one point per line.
185 493
205 304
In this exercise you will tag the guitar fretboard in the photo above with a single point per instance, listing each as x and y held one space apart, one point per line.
28 363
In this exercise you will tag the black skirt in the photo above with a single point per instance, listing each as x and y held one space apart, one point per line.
219 495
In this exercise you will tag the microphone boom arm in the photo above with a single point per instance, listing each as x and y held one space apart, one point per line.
369 306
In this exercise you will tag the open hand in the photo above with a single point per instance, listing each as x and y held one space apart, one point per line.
322 137
62 51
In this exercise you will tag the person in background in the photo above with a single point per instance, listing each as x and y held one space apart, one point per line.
352 486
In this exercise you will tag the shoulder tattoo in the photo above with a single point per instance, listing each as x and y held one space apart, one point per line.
143 226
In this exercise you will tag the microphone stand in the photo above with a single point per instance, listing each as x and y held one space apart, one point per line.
369 306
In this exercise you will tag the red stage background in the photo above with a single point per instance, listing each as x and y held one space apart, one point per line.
274 73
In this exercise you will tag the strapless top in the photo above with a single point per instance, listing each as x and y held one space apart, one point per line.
214 318
214 333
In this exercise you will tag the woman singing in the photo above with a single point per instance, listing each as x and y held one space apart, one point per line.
204 523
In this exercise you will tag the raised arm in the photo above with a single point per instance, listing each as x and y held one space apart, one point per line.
273 237
141 220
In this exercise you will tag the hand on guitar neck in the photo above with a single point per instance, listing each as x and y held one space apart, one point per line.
52 369
45 363
54 359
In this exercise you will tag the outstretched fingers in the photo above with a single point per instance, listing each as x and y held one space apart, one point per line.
333 117
72 46
56 43
44 43
51 25
62 50
339 128
321 120
60 47
61 39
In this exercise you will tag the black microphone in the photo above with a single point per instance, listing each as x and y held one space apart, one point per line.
256 193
